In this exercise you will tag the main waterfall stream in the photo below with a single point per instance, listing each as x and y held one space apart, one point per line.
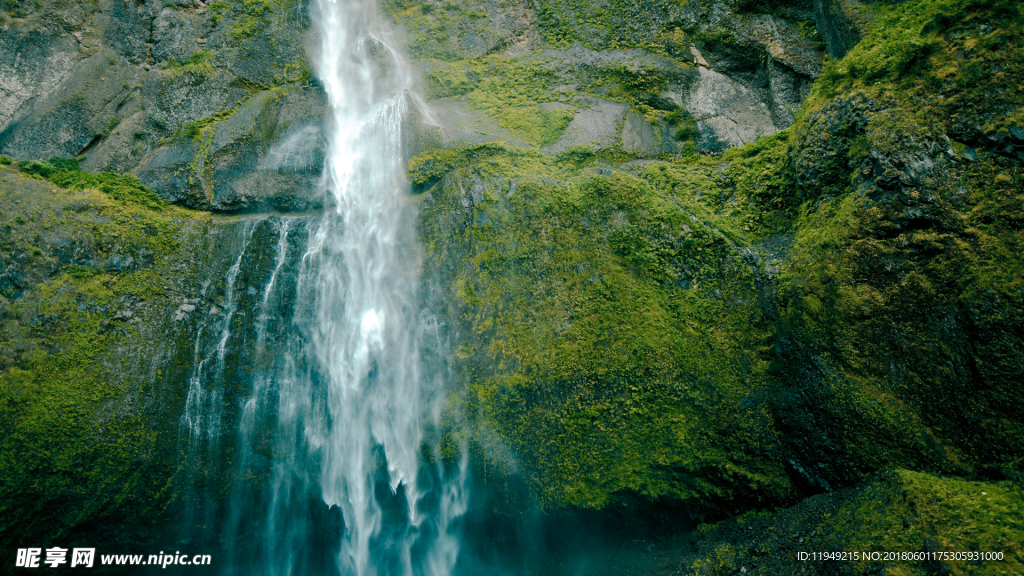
337 398
365 332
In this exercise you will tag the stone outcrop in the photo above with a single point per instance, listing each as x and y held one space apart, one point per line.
841 23
144 88
153 89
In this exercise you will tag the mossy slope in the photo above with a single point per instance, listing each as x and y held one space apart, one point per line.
897 511
790 318
607 326
95 353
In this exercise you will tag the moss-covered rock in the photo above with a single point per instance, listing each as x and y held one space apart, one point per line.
897 244
712 73
630 322
608 325
103 289
135 78
843 297
900 522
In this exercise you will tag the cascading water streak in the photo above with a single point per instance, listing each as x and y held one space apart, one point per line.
364 330
319 328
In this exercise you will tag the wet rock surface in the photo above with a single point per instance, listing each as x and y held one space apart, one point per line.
141 87
661 267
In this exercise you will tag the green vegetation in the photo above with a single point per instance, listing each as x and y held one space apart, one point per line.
905 510
731 333
920 271
617 25
80 445
897 511
932 46
65 173
198 66
252 16
456 31
526 96
511 92
595 393
122 187
218 9
429 167
621 343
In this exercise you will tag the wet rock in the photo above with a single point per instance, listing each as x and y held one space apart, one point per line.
268 154
597 125
168 171
698 58
642 138
118 263
33 66
176 35
841 23
788 91
73 116
727 113
129 28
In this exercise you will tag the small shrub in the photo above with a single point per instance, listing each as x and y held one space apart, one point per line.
64 164
36 168
684 124
217 10
122 187
577 155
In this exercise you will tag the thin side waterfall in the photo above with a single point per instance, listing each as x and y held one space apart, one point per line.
202 416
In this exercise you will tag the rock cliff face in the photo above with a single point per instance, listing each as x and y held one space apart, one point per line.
213 105
717 254
210 105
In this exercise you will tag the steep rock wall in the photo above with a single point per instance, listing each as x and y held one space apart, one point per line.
839 296
629 322
210 105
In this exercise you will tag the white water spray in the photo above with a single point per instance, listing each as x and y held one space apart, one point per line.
338 403
364 330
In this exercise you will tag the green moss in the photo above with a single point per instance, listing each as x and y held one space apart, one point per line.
251 17
911 511
684 124
887 525
880 333
916 46
448 82
79 451
762 175
908 269
124 188
39 168
217 11
458 31
608 347
618 25
198 66
431 166
511 91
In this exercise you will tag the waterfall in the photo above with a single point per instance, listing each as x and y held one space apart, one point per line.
365 334
312 358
